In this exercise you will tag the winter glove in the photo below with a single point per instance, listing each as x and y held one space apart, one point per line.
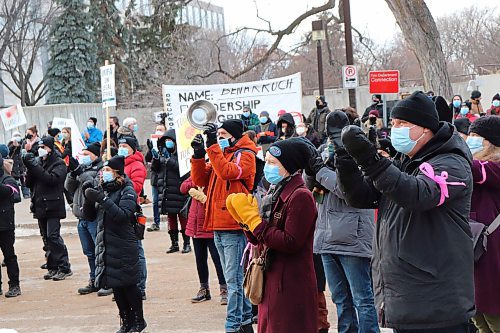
197 194
95 195
30 160
247 209
149 143
155 153
344 161
372 135
315 162
86 185
210 130
73 163
198 146
231 209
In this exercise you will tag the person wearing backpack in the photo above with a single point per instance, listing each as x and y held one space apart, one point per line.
9 195
222 175
484 142
112 203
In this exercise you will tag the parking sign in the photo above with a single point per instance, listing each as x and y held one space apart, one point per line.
349 76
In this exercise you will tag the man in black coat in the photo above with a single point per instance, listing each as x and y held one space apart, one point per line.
46 175
9 195
377 104
423 257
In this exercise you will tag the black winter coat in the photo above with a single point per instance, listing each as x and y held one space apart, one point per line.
18 169
423 259
46 181
158 173
117 249
172 199
74 182
379 107
9 195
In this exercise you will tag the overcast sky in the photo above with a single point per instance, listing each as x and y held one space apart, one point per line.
372 17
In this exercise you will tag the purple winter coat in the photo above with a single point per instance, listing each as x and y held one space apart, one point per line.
289 303
484 208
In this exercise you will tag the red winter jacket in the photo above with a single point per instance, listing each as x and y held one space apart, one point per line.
136 171
196 217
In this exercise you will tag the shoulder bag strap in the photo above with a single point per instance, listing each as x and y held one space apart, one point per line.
493 226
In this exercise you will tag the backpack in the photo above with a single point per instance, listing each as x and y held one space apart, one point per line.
259 169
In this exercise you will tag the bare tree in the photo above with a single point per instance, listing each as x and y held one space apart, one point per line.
9 12
22 56
421 33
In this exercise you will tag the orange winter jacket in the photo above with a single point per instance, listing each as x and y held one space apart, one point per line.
225 174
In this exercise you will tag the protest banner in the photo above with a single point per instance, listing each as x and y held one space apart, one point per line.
229 99
13 117
77 144
184 133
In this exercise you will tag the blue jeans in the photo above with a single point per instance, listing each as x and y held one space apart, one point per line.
350 283
143 271
87 231
156 205
230 245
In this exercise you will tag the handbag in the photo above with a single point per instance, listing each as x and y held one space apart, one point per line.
139 223
253 284
184 212
480 233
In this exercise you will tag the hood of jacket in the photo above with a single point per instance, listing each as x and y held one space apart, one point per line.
286 118
244 143
169 134
125 131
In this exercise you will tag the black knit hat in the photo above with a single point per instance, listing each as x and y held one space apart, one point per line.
462 125
335 122
129 141
47 141
53 131
233 127
292 153
475 94
116 163
417 109
444 111
94 148
488 127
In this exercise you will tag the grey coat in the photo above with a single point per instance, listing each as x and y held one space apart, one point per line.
74 182
340 228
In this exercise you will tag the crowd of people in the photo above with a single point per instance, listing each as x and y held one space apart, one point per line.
386 215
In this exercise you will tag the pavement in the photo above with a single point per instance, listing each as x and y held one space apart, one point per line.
50 306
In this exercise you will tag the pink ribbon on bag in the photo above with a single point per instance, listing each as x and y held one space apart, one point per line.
483 171
427 170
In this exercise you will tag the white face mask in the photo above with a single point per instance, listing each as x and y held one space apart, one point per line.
42 152
159 133
301 130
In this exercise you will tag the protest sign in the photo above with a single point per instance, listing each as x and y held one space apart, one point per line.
13 117
184 133
229 99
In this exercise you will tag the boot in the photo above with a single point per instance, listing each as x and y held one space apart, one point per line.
139 323
90 288
126 322
248 328
202 296
14 291
186 248
174 238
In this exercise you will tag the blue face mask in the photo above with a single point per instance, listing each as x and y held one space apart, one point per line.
464 111
496 103
475 144
90 125
85 160
263 120
456 104
401 141
60 137
224 143
169 144
122 151
136 128
107 176
272 174
246 114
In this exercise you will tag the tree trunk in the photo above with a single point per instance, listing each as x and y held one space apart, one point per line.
420 32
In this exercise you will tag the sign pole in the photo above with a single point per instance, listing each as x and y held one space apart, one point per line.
384 108
108 127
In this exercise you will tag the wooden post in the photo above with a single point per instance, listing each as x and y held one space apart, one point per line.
108 126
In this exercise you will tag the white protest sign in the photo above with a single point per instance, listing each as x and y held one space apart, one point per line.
77 144
229 99
184 133
349 77
108 86
13 117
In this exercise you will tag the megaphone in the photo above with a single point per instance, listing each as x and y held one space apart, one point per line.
200 113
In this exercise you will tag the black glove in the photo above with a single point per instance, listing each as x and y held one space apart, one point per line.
29 160
363 151
95 195
315 163
372 135
344 161
73 163
86 185
149 143
210 130
198 146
